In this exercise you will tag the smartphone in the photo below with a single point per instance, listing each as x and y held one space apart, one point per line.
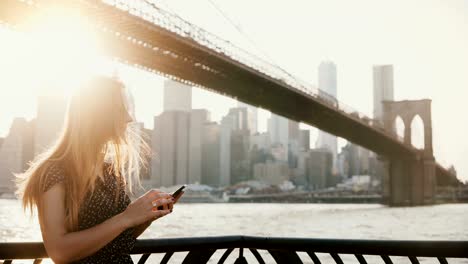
175 194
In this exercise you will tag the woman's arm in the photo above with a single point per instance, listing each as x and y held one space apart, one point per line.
64 247
140 229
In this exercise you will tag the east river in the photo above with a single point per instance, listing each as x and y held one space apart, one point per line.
356 221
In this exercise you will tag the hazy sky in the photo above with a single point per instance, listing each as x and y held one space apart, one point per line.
426 41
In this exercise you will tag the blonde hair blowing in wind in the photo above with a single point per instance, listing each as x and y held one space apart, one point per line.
97 130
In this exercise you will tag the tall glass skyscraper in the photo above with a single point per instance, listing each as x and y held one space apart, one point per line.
383 88
327 82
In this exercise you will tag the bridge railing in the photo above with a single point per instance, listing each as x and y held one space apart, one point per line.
272 250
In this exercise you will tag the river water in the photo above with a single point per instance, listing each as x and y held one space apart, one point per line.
356 221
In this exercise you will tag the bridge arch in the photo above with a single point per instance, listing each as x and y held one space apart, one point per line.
417 132
399 127
410 110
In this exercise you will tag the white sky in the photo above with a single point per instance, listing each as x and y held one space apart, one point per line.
426 41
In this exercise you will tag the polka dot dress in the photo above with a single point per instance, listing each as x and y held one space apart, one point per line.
97 208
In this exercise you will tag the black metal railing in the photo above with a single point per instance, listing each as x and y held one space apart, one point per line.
281 250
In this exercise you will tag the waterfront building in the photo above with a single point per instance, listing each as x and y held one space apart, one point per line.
273 173
198 118
51 109
225 149
211 150
170 142
240 163
319 169
16 151
355 160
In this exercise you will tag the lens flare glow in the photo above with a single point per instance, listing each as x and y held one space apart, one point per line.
57 52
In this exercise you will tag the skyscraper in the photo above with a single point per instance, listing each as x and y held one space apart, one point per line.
211 149
327 79
216 152
241 118
319 169
170 142
278 129
177 137
15 152
251 117
383 91
51 111
177 96
198 118
383 88
304 140
225 132
240 140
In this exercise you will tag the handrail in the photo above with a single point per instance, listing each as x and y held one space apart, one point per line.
282 249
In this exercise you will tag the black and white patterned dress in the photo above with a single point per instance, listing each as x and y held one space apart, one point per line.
96 209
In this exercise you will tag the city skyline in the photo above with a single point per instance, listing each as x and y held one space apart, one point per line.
198 96
189 148
429 55
278 124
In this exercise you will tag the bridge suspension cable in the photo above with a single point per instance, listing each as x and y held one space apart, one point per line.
235 25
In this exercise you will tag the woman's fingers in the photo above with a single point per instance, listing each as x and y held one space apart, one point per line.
158 199
162 202
156 194
159 213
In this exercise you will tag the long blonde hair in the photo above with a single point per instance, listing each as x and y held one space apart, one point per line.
94 133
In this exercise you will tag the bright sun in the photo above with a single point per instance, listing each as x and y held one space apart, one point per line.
58 50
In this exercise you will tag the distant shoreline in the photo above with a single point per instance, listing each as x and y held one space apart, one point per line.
289 198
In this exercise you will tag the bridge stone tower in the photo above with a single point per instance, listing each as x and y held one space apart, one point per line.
410 180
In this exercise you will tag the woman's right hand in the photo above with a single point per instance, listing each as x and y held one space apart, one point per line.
144 208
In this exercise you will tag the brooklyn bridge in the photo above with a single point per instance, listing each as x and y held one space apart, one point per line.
143 35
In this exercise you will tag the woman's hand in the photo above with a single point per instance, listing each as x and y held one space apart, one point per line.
174 200
142 227
144 209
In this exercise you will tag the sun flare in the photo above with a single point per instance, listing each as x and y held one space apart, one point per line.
59 50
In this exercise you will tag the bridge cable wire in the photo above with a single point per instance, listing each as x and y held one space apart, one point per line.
249 39
296 82
236 26
171 12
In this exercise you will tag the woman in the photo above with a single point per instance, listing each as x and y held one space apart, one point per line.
80 186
